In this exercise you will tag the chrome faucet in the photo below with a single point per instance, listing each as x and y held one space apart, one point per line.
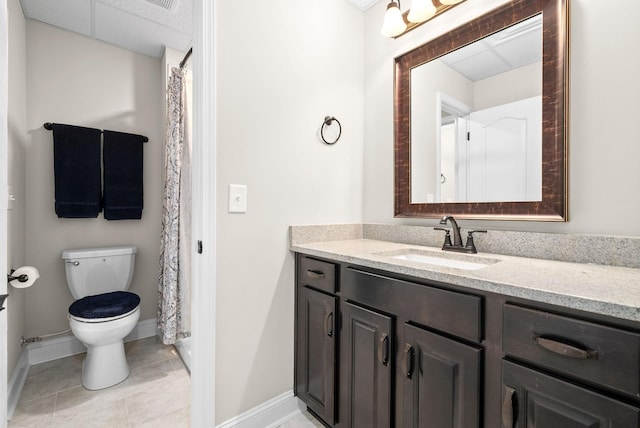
469 247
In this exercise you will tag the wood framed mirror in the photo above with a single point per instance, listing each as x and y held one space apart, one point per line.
538 191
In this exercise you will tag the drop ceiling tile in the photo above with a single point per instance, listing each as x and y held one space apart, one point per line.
177 17
73 15
525 50
464 53
481 66
135 33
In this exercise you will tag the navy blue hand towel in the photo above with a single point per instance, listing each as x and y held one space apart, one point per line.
123 187
76 166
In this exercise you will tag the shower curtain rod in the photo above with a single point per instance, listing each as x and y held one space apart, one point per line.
186 57
49 127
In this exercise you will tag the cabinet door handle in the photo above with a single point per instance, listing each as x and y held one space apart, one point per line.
507 407
383 349
564 349
328 324
315 274
407 364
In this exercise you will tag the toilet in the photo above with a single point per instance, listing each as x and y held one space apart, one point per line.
104 311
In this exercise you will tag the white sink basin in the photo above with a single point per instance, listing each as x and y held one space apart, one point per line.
452 262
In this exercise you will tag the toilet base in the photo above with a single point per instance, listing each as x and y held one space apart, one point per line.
112 357
105 364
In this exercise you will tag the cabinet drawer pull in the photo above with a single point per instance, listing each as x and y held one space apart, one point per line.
383 349
407 364
315 274
328 324
564 349
507 407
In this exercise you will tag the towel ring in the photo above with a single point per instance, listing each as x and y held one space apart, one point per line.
328 120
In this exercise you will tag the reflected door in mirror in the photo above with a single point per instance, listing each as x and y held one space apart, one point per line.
493 155
475 132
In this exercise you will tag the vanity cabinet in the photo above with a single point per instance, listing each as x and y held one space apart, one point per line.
437 373
377 350
581 368
315 330
374 351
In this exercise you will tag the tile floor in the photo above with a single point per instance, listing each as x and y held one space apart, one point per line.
304 420
156 394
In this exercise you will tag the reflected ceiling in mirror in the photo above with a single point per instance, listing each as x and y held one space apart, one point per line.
480 118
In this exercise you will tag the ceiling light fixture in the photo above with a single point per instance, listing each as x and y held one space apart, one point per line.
397 23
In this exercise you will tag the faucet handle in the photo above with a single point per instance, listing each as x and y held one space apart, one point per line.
471 232
470 244
447 236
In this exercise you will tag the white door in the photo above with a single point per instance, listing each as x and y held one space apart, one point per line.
505 152
4 96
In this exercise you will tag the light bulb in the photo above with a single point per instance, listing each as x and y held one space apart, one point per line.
393 24
421 10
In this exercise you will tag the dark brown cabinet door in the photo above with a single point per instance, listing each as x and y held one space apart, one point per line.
316 352
441 386
534 400
365 368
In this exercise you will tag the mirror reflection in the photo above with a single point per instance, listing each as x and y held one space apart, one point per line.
476 120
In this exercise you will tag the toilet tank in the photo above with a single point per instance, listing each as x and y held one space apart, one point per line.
93 271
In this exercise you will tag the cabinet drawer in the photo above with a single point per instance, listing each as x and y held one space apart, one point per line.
317 273
583 350
455 313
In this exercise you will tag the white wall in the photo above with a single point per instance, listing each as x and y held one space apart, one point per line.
76 80
17 126
280 70
504 88
603 150
427 81
4 71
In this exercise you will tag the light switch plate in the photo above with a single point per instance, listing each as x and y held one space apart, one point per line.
237 198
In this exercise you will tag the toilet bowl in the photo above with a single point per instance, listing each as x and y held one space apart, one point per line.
104 313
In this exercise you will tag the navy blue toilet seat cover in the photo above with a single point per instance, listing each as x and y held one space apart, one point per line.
105 305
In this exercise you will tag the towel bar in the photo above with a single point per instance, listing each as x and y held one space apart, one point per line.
49 127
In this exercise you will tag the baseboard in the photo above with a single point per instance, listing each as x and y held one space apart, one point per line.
143 329
269 414
65 346
16 383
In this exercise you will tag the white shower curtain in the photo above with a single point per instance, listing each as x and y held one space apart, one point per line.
174 288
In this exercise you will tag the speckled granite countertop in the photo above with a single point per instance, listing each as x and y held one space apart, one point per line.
606 290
